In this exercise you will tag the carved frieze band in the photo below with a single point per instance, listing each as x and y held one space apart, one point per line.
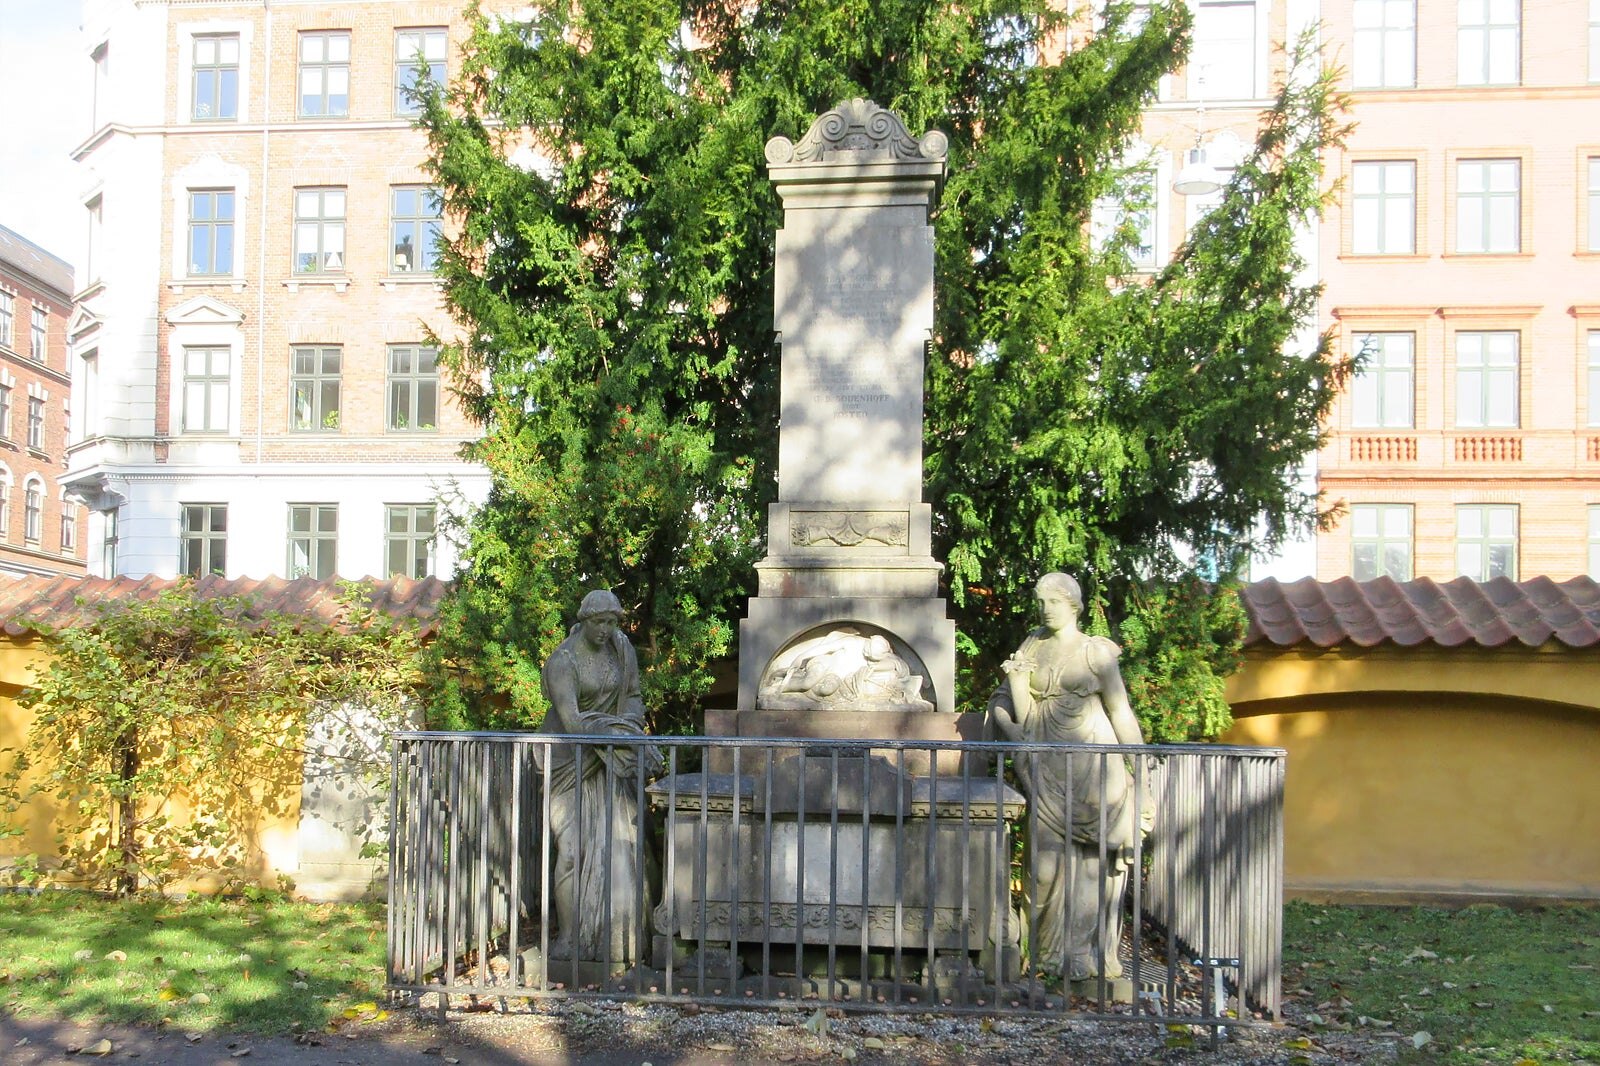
849 529
859 127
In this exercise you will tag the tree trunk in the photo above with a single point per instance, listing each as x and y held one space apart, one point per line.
127 879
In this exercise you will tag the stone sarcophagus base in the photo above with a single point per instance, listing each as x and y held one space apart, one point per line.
858 857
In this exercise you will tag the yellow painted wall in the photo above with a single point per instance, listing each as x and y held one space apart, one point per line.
270 823
1430 770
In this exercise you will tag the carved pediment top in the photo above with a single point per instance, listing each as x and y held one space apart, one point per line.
859 131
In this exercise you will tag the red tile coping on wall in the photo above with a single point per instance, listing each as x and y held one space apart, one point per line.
1423 611
1322 613
29 603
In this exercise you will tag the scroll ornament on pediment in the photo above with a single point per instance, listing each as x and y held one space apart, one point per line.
864 132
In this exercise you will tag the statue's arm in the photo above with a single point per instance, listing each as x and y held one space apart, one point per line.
1114 694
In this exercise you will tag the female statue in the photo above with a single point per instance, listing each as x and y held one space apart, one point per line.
1062 685
592 683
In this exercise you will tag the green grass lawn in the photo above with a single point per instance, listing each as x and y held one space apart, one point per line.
195 964
1488 984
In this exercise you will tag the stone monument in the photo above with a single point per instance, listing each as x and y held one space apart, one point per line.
847 637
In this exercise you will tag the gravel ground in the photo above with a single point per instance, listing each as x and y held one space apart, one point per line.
627 1034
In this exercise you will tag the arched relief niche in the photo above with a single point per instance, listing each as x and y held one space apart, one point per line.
847 665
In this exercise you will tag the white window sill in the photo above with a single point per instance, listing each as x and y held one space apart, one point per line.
233 283
337 282
395 281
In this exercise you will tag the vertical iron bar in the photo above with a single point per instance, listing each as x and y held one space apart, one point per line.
391 932
866 887
514 903
800 877
735 871
899 871
1101 892
608 768
580 859
833 871
670 878
766 888
641 882
930 885
485 911
966 881
701 860
1136 875
546 850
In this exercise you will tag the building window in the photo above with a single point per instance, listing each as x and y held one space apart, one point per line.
33 512
98 105
1222 63
1594 542
408 540
8 320
416 52
414 212
1488 42
325 74
41 332
96 211
1130 213
1380 541
108 545
1594 40
204 539
1594 377
314 389
413 387
1385 44
36 423
318 231
88 408
206 383
5 504
1488 205
1486 541
1384 206
1486 380
1594 200
5 412
1382 392
216 77
69 528
211 231
313 540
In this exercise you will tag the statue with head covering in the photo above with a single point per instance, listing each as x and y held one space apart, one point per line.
600 890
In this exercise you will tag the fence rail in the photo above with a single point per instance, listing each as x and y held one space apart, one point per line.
762 871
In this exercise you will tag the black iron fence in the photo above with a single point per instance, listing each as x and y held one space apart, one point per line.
1119 882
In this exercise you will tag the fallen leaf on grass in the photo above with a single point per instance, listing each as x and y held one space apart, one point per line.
1420 953
241 1053
116 956
99 1047
82 955
1420 1038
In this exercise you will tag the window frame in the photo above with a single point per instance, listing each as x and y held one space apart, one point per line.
319 544
36 406
1389 376
219 69
8 320
1197 87
325 66
108 543
39 334
6 485
1382 539
413 381
409 539
323 225
1489 374
214 227
1591 242
1382 36
1383 202
5 411
1487 33
208 382
1486 540
69 527
422 229
1486 197
314 384
33 510
1594 540
1592 365
210 540
407 63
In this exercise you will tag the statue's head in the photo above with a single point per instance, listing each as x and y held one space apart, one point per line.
600 601
1060 599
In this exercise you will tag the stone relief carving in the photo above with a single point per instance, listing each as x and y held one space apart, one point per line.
847 529
843 669
862 129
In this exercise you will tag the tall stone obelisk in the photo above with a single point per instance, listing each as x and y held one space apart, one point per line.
849 577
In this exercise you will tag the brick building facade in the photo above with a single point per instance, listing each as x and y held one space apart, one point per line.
41 529
260 394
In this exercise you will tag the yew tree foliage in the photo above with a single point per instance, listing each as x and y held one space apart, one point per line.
617 305
165 729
